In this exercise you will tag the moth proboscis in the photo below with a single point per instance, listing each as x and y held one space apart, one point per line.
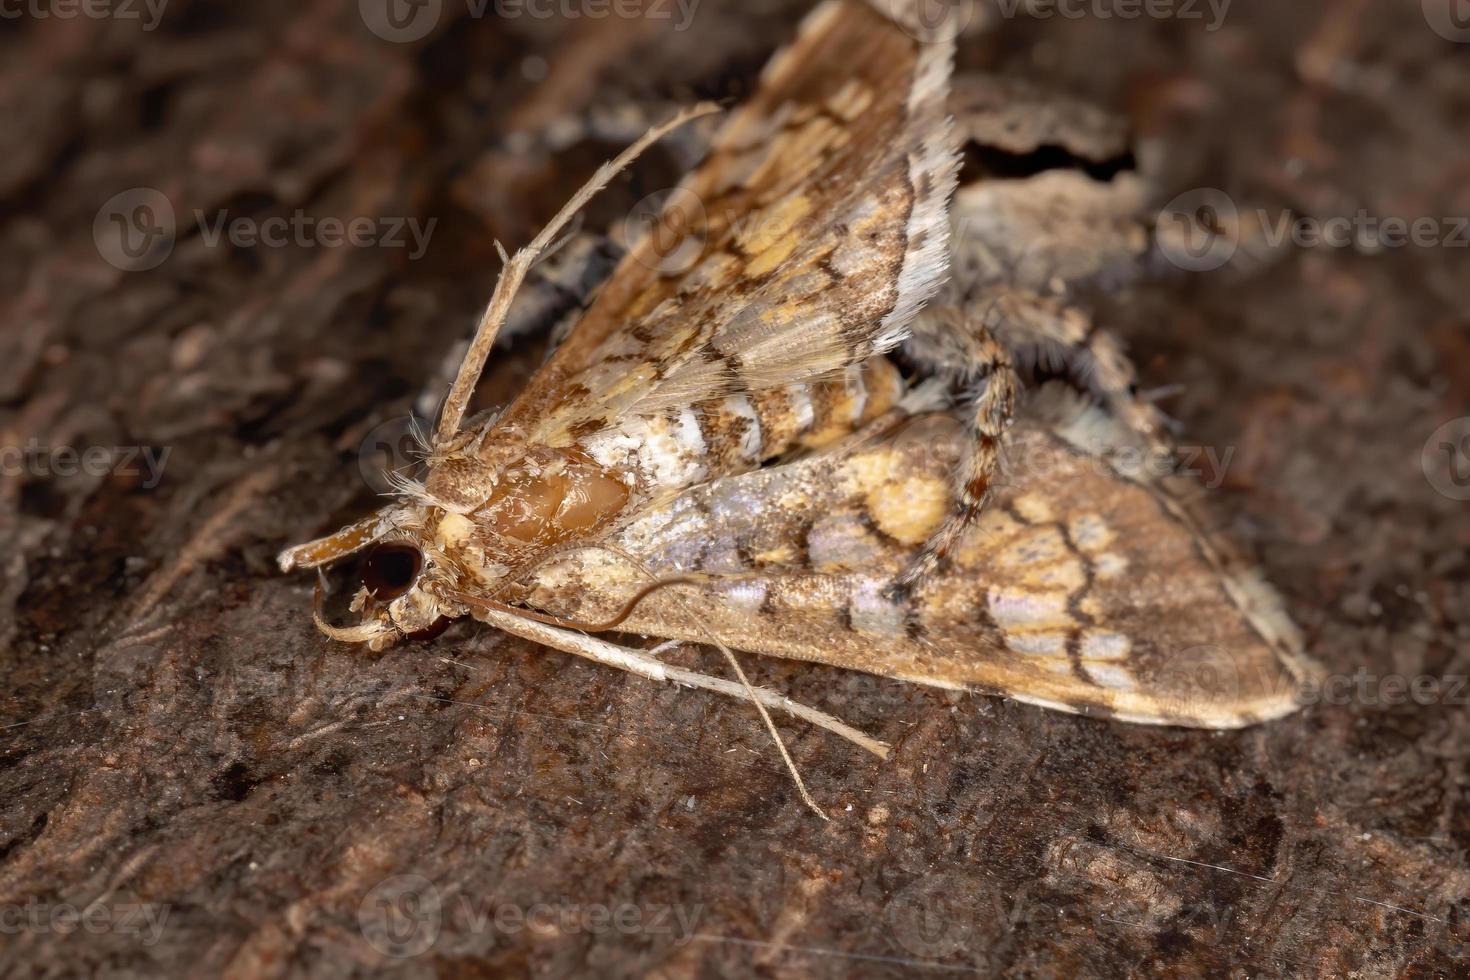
725 452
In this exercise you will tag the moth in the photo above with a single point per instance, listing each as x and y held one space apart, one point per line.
807 439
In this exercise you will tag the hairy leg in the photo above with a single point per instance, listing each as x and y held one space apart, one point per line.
957 344
1049 338
983 348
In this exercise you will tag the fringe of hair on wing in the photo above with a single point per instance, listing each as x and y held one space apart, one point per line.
1088 427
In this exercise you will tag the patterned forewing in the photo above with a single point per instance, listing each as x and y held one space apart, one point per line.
1079 589
804 243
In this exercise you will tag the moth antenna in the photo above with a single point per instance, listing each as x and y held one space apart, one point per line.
513 272
987 318
665 647
1154 395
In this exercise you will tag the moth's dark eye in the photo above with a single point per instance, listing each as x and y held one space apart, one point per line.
390 570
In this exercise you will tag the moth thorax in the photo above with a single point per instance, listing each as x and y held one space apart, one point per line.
559 496
460 482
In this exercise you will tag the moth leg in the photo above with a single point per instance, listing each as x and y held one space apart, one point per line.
959 345
1049 338
642 663
1113 372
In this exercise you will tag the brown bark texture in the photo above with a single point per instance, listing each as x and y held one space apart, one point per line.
193 781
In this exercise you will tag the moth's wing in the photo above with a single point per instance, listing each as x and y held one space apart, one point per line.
804 243
1080 589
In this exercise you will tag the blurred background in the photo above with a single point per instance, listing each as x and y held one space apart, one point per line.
239 239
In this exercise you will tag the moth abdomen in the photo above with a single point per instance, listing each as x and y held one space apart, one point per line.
815 415
680 447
